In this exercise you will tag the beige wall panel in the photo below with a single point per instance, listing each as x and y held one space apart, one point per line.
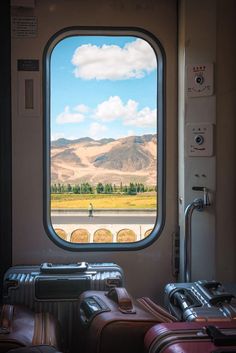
30 242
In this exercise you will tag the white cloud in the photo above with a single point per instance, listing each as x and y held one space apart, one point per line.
110 110
97 130
114 108
144 118
81 108
130 133
67 116
111 62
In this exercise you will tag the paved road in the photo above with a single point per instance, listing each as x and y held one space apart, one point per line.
68 219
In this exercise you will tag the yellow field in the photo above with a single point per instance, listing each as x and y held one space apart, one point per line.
144 200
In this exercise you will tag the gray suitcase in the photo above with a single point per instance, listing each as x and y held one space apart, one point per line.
200 301
55 288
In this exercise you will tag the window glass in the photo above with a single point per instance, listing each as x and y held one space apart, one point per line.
103 139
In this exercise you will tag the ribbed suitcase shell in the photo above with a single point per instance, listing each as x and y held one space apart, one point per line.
20 287
186 337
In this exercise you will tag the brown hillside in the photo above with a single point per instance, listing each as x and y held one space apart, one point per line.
129 159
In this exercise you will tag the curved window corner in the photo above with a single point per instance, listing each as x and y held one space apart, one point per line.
103 139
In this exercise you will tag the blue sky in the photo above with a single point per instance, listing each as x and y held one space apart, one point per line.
103 87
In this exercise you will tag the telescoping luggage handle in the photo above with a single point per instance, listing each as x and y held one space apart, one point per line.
219 338
50 268
122 298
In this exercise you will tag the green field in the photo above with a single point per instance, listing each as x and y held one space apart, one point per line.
139 201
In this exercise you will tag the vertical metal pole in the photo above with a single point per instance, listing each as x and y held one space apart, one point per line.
199 205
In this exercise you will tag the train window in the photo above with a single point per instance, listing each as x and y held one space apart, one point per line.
104 162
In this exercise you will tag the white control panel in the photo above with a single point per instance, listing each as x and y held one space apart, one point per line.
199 139
200 80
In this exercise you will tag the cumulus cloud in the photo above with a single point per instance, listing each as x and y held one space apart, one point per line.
109 110
97 130
114 108
111 62
144 118
69 117
81 108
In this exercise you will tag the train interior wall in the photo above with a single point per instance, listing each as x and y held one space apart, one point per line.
206 35
30 241
191 33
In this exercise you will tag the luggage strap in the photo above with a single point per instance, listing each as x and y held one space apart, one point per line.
122 298
156 310
219 338
44 330
6 318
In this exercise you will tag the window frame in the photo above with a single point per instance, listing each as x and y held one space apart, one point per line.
161 150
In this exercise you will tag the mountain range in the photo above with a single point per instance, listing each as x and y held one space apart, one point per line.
127 159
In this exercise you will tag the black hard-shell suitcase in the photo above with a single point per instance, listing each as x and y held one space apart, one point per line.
55 288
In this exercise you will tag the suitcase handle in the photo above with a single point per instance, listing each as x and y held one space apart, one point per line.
48 267
219 338
224 297
210 289
122 298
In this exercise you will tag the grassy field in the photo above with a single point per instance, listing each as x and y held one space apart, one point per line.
142 200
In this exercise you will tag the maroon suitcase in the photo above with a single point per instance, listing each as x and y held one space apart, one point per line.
114 322
21 327
191 337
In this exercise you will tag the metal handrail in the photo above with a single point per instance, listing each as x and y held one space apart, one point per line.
199 205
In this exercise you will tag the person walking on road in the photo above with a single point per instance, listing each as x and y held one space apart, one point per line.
90 209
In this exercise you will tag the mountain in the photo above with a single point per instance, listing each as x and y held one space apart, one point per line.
128 159
61 142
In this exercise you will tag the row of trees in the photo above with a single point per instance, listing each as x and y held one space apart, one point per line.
100 188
